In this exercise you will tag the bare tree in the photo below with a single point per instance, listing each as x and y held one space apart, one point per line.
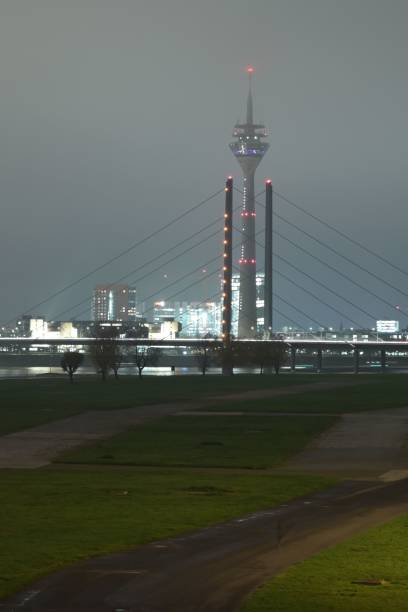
145 356
70 362
105 351
261 355
116 360
269 354
204 357
279 355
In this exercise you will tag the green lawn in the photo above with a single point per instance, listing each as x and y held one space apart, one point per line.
52 518
374 393
26 403
206 441
327 582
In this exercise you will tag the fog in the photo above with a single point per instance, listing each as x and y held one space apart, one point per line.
116 116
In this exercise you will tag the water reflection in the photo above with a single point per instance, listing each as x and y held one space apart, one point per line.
32 372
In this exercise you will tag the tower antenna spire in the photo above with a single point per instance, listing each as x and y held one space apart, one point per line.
250 109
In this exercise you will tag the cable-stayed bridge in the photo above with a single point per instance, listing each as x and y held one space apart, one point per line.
316 346
306 247
315 273
338 303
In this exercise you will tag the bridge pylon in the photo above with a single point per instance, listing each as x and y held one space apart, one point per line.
268 286
227 369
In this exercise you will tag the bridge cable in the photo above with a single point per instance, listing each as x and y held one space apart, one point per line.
166 263
304 314
340 233
196 282
322 243
326 287
317 282
127 250
162 254
357 265
333 269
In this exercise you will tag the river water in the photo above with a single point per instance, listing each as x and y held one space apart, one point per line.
34 372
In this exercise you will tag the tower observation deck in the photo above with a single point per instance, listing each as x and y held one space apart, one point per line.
249 149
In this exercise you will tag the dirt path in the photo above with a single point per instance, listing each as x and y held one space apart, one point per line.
215 569
36 447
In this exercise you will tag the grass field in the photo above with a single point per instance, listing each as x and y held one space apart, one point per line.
53 518
206 441
327 582
26 403
374 393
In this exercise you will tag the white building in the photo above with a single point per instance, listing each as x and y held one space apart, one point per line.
167 330
40 329
197 319
387 327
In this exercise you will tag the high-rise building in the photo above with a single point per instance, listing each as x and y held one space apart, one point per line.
259 304
249 149
114 303
199 319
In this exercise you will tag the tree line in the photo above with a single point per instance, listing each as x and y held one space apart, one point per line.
106 356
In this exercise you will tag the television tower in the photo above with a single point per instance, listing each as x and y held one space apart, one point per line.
249 150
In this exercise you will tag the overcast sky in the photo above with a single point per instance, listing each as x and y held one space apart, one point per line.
115 116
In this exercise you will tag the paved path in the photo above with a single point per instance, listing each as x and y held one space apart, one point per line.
290 390
363 444
37 447
251 413
215 569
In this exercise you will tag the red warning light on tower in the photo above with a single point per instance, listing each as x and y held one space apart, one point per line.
250 69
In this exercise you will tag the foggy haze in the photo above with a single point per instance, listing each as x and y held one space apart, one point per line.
116 116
